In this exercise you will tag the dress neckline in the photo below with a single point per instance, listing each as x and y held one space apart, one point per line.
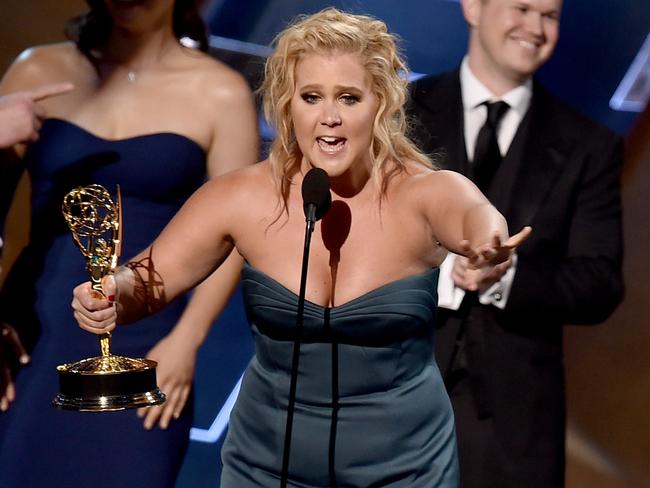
353 301
123 139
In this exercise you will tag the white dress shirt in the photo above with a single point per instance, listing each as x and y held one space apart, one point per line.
474 94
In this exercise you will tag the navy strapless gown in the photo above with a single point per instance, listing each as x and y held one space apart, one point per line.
39 445
371 408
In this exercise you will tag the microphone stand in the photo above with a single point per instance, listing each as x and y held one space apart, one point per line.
309 229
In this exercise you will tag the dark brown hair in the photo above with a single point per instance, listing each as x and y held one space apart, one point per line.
90 30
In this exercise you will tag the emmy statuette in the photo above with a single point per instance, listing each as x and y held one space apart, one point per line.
107 382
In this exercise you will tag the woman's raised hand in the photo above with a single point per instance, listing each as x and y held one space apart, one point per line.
495 252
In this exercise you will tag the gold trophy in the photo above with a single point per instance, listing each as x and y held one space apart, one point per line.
108 382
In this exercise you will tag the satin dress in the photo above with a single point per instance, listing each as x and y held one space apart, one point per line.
371 408
42 446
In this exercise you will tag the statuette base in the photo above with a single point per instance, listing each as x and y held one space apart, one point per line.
107 383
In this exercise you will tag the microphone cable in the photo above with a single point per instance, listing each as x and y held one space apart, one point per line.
316 202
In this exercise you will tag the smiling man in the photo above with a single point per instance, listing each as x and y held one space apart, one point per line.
542 164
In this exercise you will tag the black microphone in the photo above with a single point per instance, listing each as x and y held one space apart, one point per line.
316 202
316 194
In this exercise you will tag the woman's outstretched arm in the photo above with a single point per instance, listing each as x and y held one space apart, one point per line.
465 222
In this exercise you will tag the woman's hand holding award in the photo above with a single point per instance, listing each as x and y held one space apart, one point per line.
107 382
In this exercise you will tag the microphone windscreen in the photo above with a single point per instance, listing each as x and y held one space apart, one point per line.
316 191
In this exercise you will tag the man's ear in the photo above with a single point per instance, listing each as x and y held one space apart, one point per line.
471 11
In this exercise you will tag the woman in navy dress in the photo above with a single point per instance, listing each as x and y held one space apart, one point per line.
155 116
370 409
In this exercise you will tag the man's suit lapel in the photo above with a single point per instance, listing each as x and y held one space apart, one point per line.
444 120
544 155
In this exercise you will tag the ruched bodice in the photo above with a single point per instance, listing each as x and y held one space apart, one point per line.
156 174
371 409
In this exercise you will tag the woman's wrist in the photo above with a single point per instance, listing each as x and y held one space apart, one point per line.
124 279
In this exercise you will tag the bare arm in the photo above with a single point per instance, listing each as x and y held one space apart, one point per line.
465 222
194 243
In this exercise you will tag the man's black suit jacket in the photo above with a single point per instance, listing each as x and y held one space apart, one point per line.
561 175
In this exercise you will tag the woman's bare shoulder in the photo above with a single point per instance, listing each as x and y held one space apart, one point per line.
48 60
218 81
258 173
42 65
248 181
422 186
420 175
241 192
50 53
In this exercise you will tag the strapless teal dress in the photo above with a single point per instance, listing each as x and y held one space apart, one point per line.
371 408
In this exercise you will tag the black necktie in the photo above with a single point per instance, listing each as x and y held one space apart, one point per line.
486 152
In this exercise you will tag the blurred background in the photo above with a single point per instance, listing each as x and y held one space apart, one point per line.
601 67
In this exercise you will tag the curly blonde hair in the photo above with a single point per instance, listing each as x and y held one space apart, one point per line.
328 31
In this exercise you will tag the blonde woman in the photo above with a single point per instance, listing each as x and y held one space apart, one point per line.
371 409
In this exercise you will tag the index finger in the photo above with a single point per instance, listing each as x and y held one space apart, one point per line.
517 239
51 90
